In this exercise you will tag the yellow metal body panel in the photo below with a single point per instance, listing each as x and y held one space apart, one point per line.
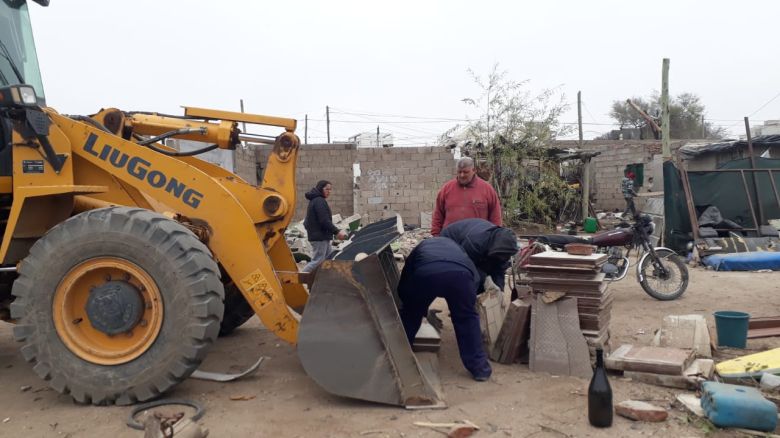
288 124
241 231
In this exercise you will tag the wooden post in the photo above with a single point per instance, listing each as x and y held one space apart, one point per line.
585 164
585 188
667 152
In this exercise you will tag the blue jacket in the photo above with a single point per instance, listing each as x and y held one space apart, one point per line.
490 247
436 249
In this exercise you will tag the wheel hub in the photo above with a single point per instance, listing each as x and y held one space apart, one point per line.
114 307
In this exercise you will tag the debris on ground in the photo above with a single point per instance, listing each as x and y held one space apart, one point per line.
491 308
242 397
686 332
461 429
408 240
514 334
699 371
641 411
691 403
763 327
657 360
227 377
770 382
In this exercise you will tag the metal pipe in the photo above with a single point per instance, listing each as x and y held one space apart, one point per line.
7 268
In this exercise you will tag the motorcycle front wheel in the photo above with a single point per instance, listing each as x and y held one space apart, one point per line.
664 286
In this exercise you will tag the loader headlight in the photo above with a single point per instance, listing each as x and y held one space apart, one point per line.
18 95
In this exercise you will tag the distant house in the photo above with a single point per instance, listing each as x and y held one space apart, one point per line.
770 127
371 139
703 155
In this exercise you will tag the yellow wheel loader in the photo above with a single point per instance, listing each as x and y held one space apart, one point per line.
122 259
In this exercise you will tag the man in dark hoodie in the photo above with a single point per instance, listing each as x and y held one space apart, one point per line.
439 267
319 224
490 247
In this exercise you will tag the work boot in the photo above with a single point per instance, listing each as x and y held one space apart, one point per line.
482 374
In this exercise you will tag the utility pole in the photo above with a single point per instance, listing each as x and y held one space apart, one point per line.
306 129
667 152
327 121
585 164
579 114
243 127
753 172
703 128
377 136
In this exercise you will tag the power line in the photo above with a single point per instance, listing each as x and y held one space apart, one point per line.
356 113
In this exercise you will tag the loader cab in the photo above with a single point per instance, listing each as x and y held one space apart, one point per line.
18 65
18 58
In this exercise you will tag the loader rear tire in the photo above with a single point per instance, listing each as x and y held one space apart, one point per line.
159 269
237 310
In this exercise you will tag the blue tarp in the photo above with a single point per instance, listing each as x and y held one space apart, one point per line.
744 261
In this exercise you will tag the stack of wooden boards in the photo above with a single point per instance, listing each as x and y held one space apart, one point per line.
556 274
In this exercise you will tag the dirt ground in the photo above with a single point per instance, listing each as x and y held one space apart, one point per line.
286 403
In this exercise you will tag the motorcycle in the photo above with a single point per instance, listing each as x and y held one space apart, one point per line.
660 271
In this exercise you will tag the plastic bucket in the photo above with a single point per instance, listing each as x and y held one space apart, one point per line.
590 225
732 328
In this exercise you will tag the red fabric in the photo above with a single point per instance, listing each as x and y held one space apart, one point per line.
454 202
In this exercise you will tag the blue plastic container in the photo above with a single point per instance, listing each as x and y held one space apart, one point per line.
738 406
732 328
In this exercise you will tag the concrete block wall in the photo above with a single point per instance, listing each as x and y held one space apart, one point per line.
245 164
401 180
331 162
607 168
406 180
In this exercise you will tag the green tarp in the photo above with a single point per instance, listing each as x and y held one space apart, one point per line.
724 190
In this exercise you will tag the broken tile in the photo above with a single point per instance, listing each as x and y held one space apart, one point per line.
641 411
658 360
691 403
686 332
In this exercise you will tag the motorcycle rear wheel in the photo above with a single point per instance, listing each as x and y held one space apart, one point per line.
668 287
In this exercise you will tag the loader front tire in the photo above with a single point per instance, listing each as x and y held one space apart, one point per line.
117 305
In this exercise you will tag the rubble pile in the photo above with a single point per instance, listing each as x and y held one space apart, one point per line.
408 240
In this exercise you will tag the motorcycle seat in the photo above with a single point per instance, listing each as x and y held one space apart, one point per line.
561 240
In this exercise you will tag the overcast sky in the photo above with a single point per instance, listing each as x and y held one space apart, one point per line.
378 60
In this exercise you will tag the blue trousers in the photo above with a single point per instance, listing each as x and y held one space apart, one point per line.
456 285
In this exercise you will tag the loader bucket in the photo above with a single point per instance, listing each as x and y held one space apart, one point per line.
351 340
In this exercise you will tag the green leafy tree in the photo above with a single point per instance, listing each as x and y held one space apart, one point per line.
515 127
686 113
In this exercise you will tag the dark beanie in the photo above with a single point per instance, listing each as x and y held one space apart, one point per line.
502 245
